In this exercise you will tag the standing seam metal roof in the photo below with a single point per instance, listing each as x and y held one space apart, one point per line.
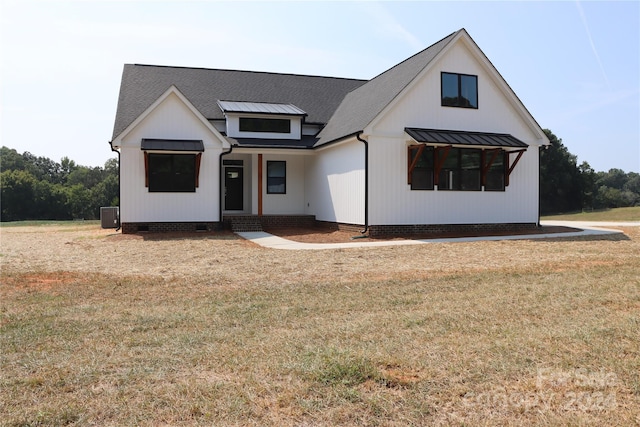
260 107
454 137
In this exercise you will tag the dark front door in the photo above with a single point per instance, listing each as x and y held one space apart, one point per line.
233 188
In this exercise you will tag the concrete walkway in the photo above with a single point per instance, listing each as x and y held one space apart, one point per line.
586 229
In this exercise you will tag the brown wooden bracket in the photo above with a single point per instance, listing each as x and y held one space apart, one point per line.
198 161
439 162
513 165
413 161
259 184
146 169
486 166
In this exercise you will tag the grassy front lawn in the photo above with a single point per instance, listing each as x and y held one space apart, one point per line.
617 214
113 330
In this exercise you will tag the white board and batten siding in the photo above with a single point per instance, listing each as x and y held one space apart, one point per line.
335 183
171 119
293 201
391 200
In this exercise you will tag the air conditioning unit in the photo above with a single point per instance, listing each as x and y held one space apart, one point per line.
110 217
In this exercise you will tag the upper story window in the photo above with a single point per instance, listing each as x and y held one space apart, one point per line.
262 120
259 124
459 90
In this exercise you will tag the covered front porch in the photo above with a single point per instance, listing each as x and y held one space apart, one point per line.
264 183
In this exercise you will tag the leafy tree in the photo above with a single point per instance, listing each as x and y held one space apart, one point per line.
38 188
10 159
79 202
615 178
633 183
43 168
589 189
18 195
88 177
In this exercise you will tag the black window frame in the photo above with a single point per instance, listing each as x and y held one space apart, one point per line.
264 125
456 176
175 178
457 100
424 166
276 181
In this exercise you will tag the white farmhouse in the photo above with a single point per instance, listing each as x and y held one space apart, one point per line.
439 142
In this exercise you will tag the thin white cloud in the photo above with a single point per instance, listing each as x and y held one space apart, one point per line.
384 20
602 100
593 46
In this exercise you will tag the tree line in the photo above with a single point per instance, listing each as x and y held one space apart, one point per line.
36 188
566 186
39 188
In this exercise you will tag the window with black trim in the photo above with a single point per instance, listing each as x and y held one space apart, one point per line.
461 170
421 158
459 90
276 177
457 169
171 173
258 124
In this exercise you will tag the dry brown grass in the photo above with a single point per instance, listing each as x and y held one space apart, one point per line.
103 329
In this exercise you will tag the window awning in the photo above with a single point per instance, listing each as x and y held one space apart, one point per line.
192 145
456 137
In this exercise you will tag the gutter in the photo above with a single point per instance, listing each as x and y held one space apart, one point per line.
366 184
220 182
119 186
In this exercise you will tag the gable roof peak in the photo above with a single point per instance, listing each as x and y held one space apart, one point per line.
362 105
412 57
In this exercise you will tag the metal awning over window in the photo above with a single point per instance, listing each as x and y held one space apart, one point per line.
455 137
190 145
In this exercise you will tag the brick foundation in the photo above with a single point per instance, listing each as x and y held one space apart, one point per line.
309 221
391 230
338 226
168 227
270 221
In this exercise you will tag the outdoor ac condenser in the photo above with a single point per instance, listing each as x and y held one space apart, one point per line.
110 217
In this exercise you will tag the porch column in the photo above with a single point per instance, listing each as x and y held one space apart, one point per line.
260 184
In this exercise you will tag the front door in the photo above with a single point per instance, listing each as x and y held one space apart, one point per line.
233 184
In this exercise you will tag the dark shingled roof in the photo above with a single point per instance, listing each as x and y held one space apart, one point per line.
305 142
142 85
457 137
346 106
363 104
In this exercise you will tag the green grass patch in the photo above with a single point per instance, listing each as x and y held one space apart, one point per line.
616 214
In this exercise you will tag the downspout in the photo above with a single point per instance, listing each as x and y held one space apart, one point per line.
540 148
366 183
220 183
539 195
119 186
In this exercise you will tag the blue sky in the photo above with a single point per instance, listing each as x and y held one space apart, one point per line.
574 65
